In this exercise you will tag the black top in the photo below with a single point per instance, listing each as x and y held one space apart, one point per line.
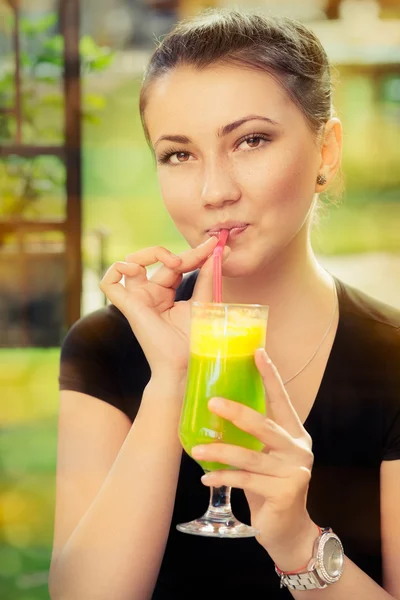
354 424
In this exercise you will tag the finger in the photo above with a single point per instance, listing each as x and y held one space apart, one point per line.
194 257
177 282
240 458
149 256
111 284
153 255
278 399
167 277
203 289
285 489
190 260
284 452
256 424
251 482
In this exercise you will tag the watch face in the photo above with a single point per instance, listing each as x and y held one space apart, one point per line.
333 557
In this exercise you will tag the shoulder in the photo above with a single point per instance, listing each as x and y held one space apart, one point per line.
368 318
106 327
365 368
367 348
101 357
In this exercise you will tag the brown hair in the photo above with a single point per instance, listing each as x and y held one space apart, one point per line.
281 47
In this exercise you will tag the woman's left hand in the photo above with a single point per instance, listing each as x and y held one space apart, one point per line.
275 480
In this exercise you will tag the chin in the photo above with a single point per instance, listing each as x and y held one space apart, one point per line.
250 263
234 268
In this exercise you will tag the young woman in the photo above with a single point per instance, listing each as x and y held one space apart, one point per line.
237 109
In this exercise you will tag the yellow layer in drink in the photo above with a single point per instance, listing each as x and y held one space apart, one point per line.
215 337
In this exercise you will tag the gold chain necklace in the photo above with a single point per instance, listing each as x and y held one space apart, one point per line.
336 304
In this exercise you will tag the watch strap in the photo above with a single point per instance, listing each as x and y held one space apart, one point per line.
307 579
301 581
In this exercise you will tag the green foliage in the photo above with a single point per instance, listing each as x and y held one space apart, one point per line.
94 57
32 29
24 182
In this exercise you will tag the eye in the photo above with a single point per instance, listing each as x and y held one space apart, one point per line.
253 141
172 157
179 157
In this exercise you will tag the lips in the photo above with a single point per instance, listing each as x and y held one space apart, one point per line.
232 226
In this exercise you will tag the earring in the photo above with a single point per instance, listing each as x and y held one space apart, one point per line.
321 179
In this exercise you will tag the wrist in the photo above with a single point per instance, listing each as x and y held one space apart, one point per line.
163 395
296 553
165 390
167 381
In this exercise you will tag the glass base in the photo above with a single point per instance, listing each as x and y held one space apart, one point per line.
220 528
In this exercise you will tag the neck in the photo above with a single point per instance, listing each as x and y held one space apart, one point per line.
286 279
297 290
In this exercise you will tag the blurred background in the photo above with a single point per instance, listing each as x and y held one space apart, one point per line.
78 191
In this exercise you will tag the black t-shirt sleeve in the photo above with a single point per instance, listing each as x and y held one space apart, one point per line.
373 345
101 357
86 364
391 447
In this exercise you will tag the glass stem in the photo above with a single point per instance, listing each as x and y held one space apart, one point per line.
219 508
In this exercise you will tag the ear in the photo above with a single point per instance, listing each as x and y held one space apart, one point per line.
331 152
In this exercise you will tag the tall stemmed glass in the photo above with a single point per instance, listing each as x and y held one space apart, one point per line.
223 340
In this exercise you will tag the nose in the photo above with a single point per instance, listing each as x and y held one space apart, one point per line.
220 188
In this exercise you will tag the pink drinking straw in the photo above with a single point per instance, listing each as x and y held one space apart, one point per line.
217 265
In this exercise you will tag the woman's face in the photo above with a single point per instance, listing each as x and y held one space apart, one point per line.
233 149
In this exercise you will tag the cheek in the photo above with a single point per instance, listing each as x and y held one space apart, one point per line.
169 192
284 182
177 195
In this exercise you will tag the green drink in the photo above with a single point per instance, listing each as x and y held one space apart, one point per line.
223 342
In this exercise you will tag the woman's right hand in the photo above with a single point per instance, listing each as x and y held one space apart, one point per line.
161 325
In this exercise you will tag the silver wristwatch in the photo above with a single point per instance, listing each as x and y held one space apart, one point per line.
324 568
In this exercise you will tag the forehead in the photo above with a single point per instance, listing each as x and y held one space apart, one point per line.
187 98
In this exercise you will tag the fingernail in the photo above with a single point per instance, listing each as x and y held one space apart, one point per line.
174 255
265 356
198 451
207 241
216 403
206 477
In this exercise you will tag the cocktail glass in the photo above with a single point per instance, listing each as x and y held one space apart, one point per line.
223 340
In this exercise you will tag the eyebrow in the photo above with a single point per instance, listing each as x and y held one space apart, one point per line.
224 131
